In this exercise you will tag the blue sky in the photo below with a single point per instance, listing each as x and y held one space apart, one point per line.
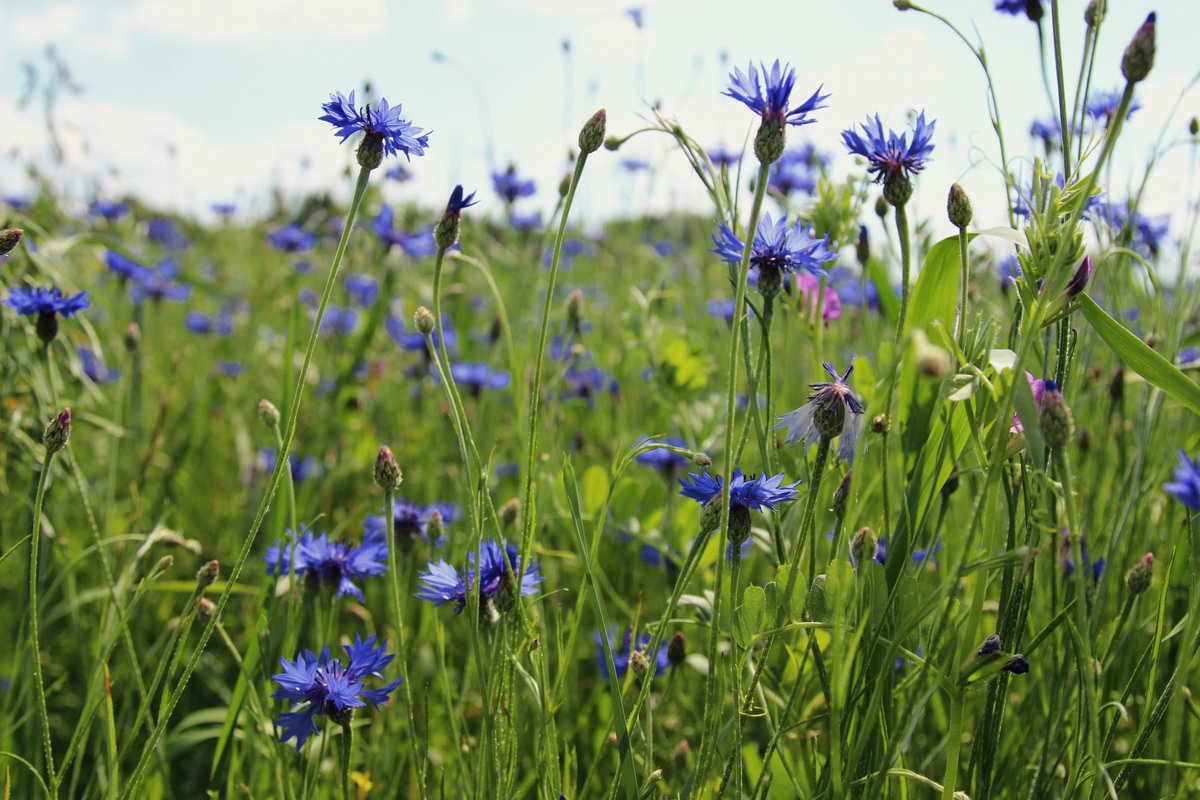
233 89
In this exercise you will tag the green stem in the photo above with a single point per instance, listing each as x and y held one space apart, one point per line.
711 722
347 752
1064 124
389 517
958 701
960 327
134 784
38 681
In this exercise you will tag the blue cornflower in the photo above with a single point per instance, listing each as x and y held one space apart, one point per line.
797 171
510 186
832 409
723 309
1146 234
110 210
202 324
399 173
459 200
341 321
750 492
1186 486
638 15
891 156
1188 358
94 368
770 95
525 222
665 461
777 250
302 468
478 377
721 156
164 231
231 369
1010 271
45 301
621 657
363 289
159 284
382 124
291 238
1104 105
224 210
441 583
126 269
409 521
330 563
17 202
321 685
587 382
1046 130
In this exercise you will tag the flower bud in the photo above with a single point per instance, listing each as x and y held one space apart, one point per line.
639 663
1017 665
370 150
770 139
435 526
387 471
510 512
47 326
9 237
862 248
682 755
447 231
207 574
864 544
702 460
1079 280
840 495
613 143
592 134
1057 423
677 649
991 645
423 321
133 336
1116 387
575 311
902 5
710 515
58 432
564 185
739 527
897 189
205 609
1139 55
881 207
1034 10
880 424
1194 126
1093 15
1137 580
268 414
958 207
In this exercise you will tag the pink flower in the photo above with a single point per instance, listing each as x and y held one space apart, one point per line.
1038 387
808 288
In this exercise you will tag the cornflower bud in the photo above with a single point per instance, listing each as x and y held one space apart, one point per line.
639 663
1194 126
205 609
268 414
435 526
575 311
592 134
1057 423
677 649
864 545
1137 579
1139 55
1093 15
862 249
958 207
701 460
840 495
9 237
58 432
881 207
387 471
207 574
423 321
447 231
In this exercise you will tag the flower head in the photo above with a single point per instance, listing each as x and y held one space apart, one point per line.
769 96
446 232
1104 105
478 377
381 126
622 657
110 210
38 300
442 583
291 238
410 521
832 409
330 563
777 250
891 156
510 186
1186 486
159 284
754 492
323 685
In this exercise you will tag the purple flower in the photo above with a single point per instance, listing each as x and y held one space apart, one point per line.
1186 486
510 186
777 248
159 284
751 492
441 583
622 656
832 402
397 135
769 95
321 685
45 301
291 238
1104 104
891 156
330 563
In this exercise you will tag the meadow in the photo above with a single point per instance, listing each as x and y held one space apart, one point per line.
803 497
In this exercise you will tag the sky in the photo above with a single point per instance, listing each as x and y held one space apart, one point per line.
190 103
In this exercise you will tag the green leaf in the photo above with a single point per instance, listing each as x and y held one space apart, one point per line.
888 302
749 618
1137 356
595 488
935 295
1031 421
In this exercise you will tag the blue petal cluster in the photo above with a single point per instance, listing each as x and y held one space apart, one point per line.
776 245
398 135
291 238
441 583
1186 486
330 563
38 300
768 93
159 284
891 156
621 657
511 186
326 686
753 492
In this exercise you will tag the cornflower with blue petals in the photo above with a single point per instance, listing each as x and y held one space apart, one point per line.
47 304
442 583
833 409
159 284
291 238
384 131
746 492
510 186
328 563
777 250
321 685
621 658
1186 486
768 93
893 159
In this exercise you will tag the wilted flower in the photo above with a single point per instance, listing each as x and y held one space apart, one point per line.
327 686
833 409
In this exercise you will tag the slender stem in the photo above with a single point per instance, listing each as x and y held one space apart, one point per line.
389 517
134 784
905 289
347 752
964 278
528 512
709 735
958 701
1064 124
38 682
